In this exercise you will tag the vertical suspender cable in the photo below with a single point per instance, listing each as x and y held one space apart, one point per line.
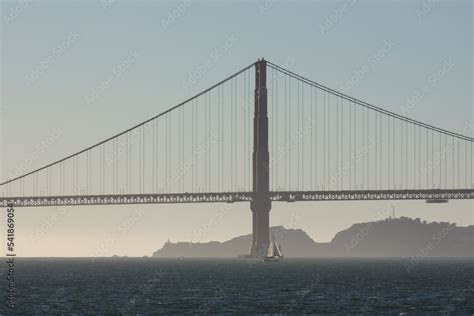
219 132
408 164
363 149
341 143
367 156
328 141
231 142
277 131
337 171
394 136
458 164
401 156
452 162
315 126
303 137
246 157
378 148
311 140
298 130
324 140
389 150
350 146
289 134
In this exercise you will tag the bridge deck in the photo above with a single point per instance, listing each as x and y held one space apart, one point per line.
231 197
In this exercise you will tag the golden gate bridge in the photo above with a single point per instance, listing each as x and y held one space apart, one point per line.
262 135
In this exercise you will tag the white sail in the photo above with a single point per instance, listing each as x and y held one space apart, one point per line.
270 251
277 250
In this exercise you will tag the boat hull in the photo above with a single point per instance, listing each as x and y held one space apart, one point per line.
272 259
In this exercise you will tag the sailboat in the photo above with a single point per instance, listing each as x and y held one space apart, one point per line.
274 252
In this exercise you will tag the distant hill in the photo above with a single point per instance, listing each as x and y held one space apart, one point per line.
400 237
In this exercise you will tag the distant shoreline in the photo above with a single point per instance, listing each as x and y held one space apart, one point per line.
389 238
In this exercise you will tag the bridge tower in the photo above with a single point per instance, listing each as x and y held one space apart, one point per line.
261 204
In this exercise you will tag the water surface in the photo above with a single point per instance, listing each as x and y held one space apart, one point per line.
149 286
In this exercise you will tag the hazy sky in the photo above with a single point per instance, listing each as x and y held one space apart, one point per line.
78 44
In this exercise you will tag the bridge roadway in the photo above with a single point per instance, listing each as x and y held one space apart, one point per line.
231 197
